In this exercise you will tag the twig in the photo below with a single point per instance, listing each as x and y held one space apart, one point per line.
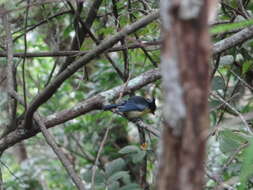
94 168
51 142
24 59
81 34
150 129
243 10
241 80
232 157
233 40
38 24
12 173
64 160
79 53
232 108
92 36
87 155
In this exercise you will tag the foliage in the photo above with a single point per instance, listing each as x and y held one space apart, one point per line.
122 159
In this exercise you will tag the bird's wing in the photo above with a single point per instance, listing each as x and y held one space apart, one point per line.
131 106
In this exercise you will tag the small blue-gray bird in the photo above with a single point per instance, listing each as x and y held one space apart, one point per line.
134 107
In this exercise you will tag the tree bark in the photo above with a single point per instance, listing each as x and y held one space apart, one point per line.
185 54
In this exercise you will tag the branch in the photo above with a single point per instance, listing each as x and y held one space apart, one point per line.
65 162
81 33
94 168
38 24
233 40
218 47
57 82
51 142
81 108
74 53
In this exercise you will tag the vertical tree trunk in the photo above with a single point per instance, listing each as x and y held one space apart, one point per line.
185 55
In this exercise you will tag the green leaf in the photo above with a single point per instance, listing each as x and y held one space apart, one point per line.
129 149
246 66
226 60
113 186
230 26
247 167
99 177
119 175
132 186
214 104
114 166
218 83
230 141
138 157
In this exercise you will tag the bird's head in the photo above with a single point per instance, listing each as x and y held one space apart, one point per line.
152 105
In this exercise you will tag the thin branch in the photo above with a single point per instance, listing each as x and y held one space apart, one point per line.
241 80
57 82
94 168
24 59
122 41
243 10
79 53
64 160
150 129
92 36
51 142
234 109
132 18
80 35
38 24
20 180
233 40
218 47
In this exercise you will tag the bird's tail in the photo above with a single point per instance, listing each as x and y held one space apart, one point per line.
109 107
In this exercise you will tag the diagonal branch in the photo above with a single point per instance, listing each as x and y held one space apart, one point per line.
79 53
64 160
52 143
233 40
81 108
81 33
57 82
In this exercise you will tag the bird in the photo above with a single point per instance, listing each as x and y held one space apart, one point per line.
134 107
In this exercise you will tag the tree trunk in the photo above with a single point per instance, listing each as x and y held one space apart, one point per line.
185 55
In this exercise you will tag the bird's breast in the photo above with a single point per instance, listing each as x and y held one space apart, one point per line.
136 114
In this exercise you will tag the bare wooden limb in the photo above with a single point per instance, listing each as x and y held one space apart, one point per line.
24 59
94 168
50 140
64 160
233 40
79 53
81 108
30 28
81 33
